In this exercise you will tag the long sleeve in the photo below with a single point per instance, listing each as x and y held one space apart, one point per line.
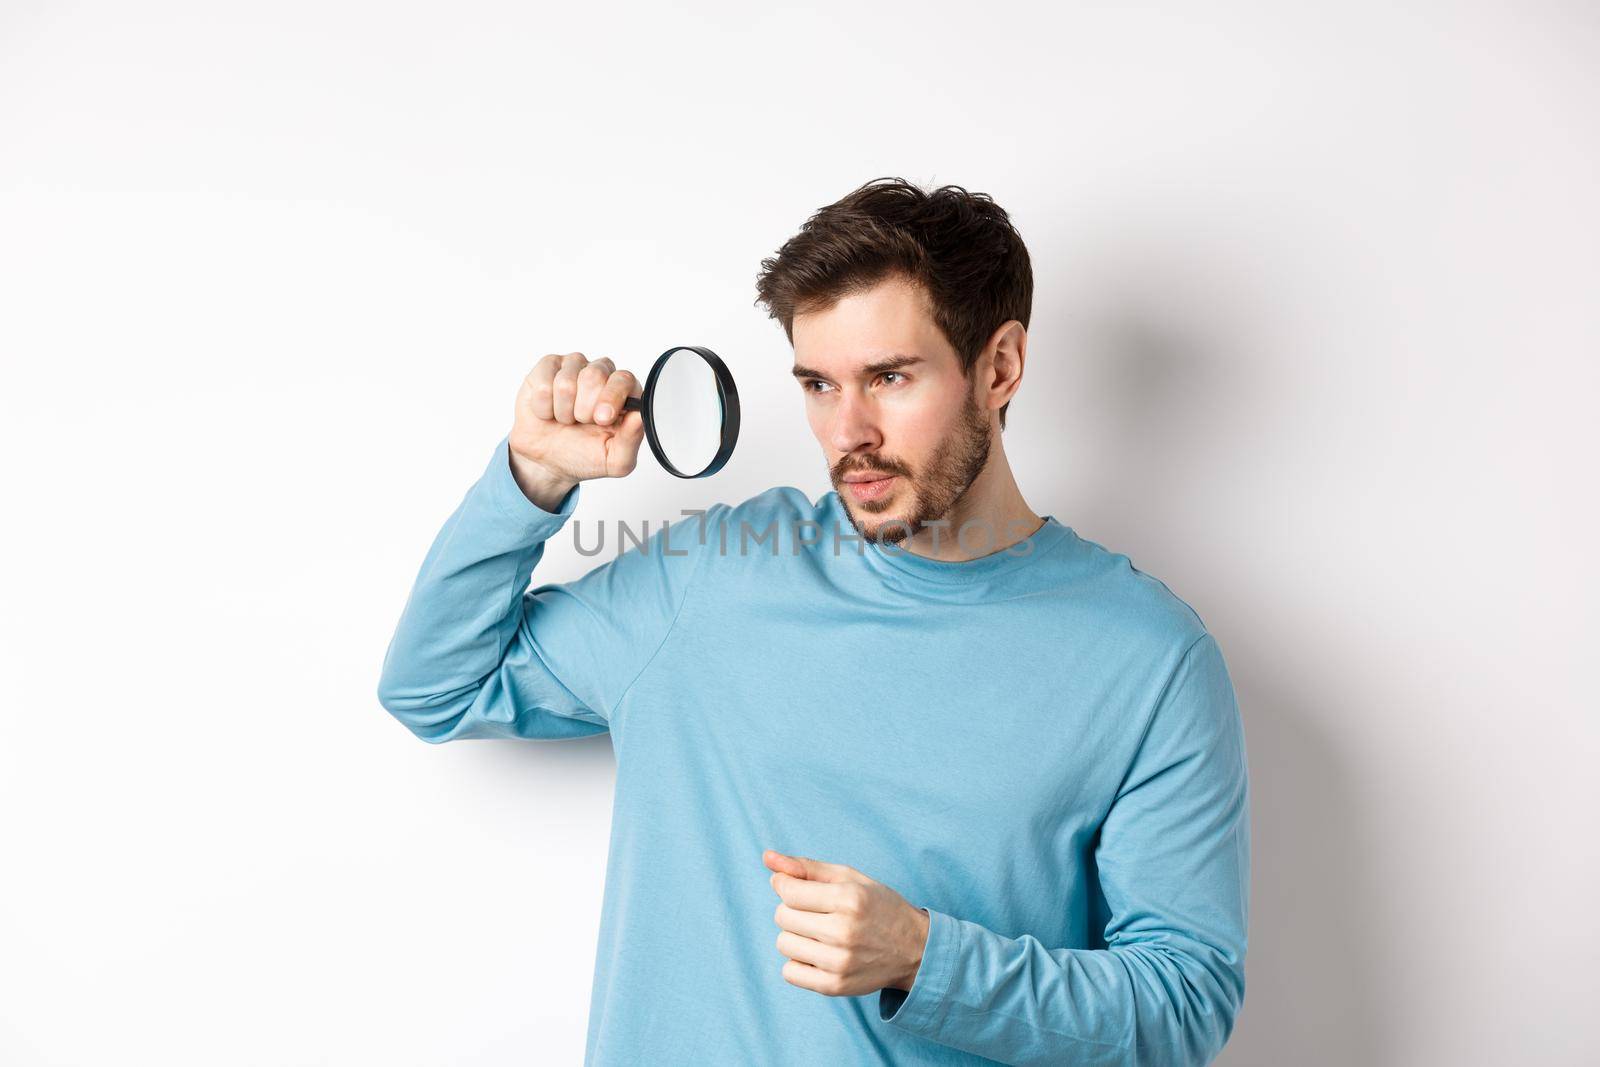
477 654
1173 861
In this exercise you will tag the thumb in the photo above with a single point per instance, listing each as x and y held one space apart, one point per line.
632 431
622 447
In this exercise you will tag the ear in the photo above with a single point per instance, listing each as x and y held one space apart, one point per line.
1002 362
1010 345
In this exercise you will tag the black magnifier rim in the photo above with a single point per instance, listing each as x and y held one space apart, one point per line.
727 396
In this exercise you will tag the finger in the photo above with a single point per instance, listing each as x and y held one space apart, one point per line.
808 977
564 388
632 432
622 447
815 925
535 393
780 861
619 386
804 950
806 895
591 379
820 871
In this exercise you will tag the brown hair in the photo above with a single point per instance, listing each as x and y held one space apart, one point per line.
959 247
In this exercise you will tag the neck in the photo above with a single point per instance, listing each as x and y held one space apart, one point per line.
993 506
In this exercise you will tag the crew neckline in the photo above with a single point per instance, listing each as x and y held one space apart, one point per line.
961 572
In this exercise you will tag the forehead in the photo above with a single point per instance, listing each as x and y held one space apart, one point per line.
892 318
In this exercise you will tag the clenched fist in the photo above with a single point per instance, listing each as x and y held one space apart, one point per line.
570 426
845 934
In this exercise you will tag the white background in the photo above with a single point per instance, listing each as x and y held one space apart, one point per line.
1314 340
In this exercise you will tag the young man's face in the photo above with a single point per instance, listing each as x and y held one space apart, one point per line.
918 422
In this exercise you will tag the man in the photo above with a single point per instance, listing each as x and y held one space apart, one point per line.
983 778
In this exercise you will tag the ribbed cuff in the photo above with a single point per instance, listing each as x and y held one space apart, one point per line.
922 1010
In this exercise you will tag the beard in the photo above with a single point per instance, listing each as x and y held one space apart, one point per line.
950 472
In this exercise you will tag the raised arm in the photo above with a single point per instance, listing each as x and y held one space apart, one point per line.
476 653
1173 858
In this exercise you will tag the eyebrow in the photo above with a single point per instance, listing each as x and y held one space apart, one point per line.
894 362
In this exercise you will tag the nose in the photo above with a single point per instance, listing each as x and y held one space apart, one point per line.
854 425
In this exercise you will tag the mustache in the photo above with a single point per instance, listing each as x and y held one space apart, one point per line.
886 468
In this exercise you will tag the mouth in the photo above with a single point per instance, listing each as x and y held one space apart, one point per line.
869 486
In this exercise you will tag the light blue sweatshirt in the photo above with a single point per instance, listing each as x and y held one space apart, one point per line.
1041 747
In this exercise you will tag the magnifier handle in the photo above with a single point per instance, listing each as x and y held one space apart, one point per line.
633 403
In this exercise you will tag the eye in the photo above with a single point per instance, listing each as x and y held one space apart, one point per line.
896 373
806 385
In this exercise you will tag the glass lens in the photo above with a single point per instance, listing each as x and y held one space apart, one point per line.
687 411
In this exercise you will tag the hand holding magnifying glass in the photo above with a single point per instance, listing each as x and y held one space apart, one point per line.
578 419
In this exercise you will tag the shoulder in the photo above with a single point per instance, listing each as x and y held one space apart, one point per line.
1132 602
1157 636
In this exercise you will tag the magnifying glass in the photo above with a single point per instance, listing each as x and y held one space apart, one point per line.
691 411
